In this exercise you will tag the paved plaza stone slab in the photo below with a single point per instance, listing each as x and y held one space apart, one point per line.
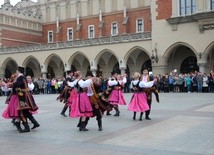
182 124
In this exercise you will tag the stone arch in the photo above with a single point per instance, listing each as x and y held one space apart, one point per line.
182 57
9 67
175 45
32 66
80 61
138 58
55 66
106 62
134 49
209 56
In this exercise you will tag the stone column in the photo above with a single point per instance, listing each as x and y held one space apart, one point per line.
202 67
43 71
93 67
123 71
67 66
94 72
44 75
158 69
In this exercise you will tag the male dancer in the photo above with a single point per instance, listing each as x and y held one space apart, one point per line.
64 96
145 77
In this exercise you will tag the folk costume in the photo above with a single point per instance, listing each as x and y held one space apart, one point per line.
149 91
117 97
67 93
20 102
81 105
138 101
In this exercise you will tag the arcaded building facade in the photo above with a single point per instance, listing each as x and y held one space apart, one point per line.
51 37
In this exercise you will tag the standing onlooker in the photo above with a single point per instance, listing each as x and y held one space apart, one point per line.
210 83
194 83
53 83
180 83
171 83
188 83
205 83
199 79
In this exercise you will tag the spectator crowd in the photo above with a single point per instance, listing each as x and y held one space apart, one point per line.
172 82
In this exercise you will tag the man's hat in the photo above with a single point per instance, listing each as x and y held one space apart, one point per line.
89 73
21 69
114 72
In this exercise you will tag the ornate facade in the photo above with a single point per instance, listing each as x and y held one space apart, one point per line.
53 36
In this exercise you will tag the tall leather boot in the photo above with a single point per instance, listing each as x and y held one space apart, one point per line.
18 126
35 123
117 111
100 125
64 110
141 115
27 128
82 127
134 117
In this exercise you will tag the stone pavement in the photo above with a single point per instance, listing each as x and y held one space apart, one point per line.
182 124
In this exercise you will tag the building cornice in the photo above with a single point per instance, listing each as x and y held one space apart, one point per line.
205 20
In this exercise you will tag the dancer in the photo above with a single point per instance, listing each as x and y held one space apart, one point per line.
66 93
81 106
20 102
138 101
29 114
145 77
116 97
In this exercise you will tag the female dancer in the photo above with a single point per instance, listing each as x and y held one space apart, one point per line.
138 101
116 97
81 106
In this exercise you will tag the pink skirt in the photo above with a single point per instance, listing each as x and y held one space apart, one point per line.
71 97
117 98
81 106
11 110
138 102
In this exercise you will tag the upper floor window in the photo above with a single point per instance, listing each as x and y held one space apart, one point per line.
91 31
211 4
139 25
114 29
70 34
187 7
50 36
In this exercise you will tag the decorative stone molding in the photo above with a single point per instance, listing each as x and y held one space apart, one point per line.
205 21
79 43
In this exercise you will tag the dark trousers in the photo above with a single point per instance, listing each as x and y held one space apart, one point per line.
98 114
148 111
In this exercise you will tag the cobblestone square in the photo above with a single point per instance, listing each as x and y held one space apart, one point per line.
182 124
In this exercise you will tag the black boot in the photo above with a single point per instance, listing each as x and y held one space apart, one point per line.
141 115
64 110
117 112
100 125
148 118
78 125
13 121
82 127
108 113
18 126
134 116
27 128
35 123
